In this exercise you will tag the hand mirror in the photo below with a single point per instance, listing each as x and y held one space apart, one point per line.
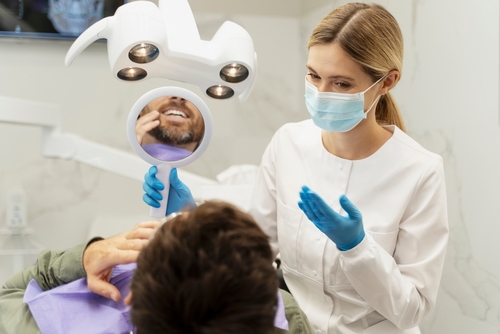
173 136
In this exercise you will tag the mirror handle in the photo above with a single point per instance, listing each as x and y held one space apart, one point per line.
163 174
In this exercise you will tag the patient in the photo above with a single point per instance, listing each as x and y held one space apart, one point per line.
204 271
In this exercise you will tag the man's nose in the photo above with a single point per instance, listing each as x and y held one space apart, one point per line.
176 98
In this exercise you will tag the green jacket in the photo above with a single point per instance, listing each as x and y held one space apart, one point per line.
57 268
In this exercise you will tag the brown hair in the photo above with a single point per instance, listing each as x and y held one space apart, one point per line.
207 271
372 37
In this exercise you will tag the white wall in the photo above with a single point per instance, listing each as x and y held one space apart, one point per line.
452 105
449 96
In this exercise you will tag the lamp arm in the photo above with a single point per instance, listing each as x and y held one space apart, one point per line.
89 36
73 147
21 111
179 20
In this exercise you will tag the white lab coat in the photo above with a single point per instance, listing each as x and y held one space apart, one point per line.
389 282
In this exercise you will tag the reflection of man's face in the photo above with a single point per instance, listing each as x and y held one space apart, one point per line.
180 121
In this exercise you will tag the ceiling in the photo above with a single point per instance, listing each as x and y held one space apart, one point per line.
293 8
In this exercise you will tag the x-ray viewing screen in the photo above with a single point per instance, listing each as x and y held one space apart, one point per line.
63 19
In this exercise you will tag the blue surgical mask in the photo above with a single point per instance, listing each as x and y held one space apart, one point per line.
337 112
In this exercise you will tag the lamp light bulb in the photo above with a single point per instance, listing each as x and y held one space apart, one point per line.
132 74
234 73
143 53
220 92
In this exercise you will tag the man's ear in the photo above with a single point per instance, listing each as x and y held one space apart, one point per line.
390 80
128 300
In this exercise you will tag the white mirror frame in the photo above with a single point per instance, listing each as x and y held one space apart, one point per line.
164 167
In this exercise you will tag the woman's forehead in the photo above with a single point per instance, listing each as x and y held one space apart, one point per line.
331 60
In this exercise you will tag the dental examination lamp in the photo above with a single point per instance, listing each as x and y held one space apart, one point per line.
148 41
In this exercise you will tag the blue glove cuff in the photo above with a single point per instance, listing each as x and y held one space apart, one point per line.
353 244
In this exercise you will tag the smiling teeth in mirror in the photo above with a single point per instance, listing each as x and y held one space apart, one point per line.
175 113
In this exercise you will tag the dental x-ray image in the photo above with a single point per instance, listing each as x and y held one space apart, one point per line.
52 18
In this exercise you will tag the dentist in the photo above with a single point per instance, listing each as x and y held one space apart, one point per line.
356 209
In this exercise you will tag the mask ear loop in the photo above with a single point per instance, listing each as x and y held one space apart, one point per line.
376 82
370 108
378 97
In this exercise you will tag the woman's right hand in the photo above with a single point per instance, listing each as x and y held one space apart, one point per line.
179 195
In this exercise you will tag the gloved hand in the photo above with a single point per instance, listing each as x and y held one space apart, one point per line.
345 232
179 195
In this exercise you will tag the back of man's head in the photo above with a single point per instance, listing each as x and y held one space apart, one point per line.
207 271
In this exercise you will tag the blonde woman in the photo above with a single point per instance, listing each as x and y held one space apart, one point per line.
355 207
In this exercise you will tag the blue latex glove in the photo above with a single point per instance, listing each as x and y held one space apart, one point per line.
179 195
345 232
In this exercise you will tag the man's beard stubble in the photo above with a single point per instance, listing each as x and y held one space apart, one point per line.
165 136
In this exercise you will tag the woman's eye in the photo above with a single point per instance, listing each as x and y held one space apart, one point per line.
313 76
342 85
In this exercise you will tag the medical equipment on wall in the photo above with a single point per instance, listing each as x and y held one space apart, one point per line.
185 130
16 239
148 41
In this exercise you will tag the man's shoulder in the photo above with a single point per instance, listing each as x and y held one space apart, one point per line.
288 300
297 320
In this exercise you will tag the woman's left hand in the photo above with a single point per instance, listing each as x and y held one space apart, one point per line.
345 232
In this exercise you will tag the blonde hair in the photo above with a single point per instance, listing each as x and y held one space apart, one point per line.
371 36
